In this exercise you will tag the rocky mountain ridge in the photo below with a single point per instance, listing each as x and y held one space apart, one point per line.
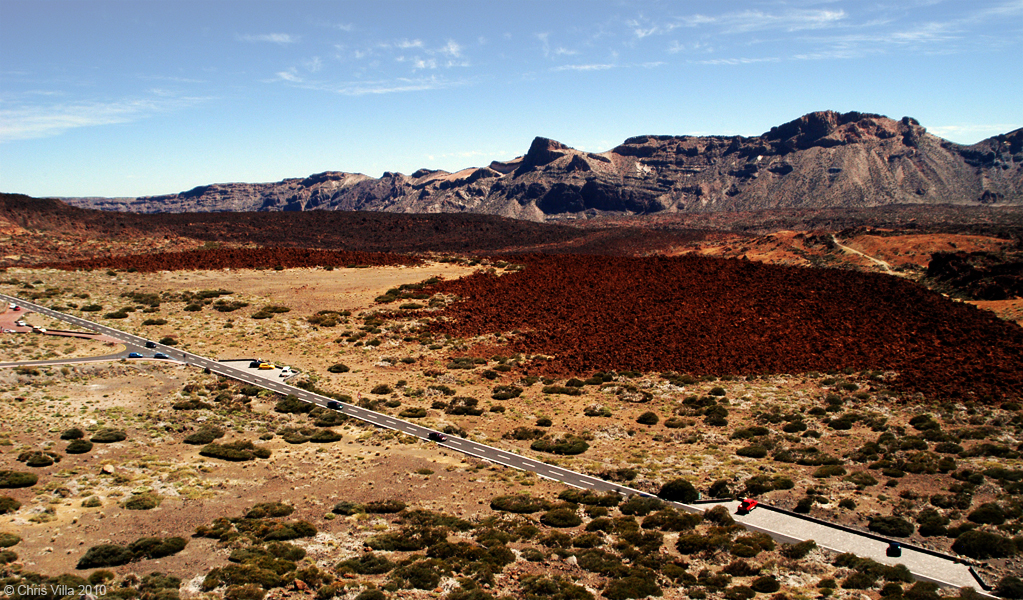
821 160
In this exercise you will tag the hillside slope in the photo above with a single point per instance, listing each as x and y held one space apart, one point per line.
821 160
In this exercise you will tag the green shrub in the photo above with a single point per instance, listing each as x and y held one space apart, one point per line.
669 519
1010 586
648 418
590 497
345 507
108 436
739 592
890 526
145 501
7 557
265 510
518 503
765 585
506 392
154 547
168 341
367 564
92 502
291 404
249 591
983 545
105 555
8 505
9 539
825 471
558 389
862 479
204 435
634 586
797 551
381 389
753 451
413 412
384 506
678 490
17 479
338 368
641 506
72 434
568 445
988 513
561 517
239 451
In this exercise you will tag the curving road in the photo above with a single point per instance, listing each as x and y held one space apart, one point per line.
785 528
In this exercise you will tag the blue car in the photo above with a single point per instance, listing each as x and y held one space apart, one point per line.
160 355
134 355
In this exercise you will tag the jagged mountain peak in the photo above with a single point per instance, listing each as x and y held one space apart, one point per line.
823 159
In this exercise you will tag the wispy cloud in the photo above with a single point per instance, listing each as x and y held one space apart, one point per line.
406 44
396 86
41 121
589 67
735 61
274 38
451 49
971 132
289 76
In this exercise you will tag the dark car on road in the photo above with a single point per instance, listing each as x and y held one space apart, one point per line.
255 364
436 436
160 355
134 355
150 344
333 405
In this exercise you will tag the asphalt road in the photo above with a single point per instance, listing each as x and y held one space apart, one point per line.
782 527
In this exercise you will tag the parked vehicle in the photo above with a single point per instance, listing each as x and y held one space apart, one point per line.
150 344
286 372
747 505
161 355
437 436
266 367
255 364
134 355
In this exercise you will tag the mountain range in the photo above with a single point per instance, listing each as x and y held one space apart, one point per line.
821 160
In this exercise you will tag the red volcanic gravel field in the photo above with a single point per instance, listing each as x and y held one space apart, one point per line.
704 315
238 258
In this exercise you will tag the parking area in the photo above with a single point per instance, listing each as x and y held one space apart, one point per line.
273 374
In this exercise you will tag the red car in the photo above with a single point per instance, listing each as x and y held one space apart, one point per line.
747 505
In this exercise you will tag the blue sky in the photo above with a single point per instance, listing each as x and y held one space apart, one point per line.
152 97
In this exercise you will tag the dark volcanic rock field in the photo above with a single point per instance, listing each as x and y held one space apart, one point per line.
713 316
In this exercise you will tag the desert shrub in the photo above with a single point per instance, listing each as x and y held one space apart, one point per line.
78 447
568 445
740 568
862 479
367 564
505 392
1010 586
154 547
421 574
108 436
17 479
633 586
716 416
932 523
794 426
346 507
145 501
371 595
239 451
983 545
797 551
825 471
560 518
560 389
678 490
7 557
717 391
765 585
739 592
72 434
105 555
669 519
249 591
544 422
384 506
204 435
338 368
241 575
9 539
590 497
381 389
325 436
518 503
752 451
265 510
38 459
8 505
890 526
648 418
291 404
988 513
413 412
640 506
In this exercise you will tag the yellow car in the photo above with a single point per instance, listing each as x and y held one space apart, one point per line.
266 366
